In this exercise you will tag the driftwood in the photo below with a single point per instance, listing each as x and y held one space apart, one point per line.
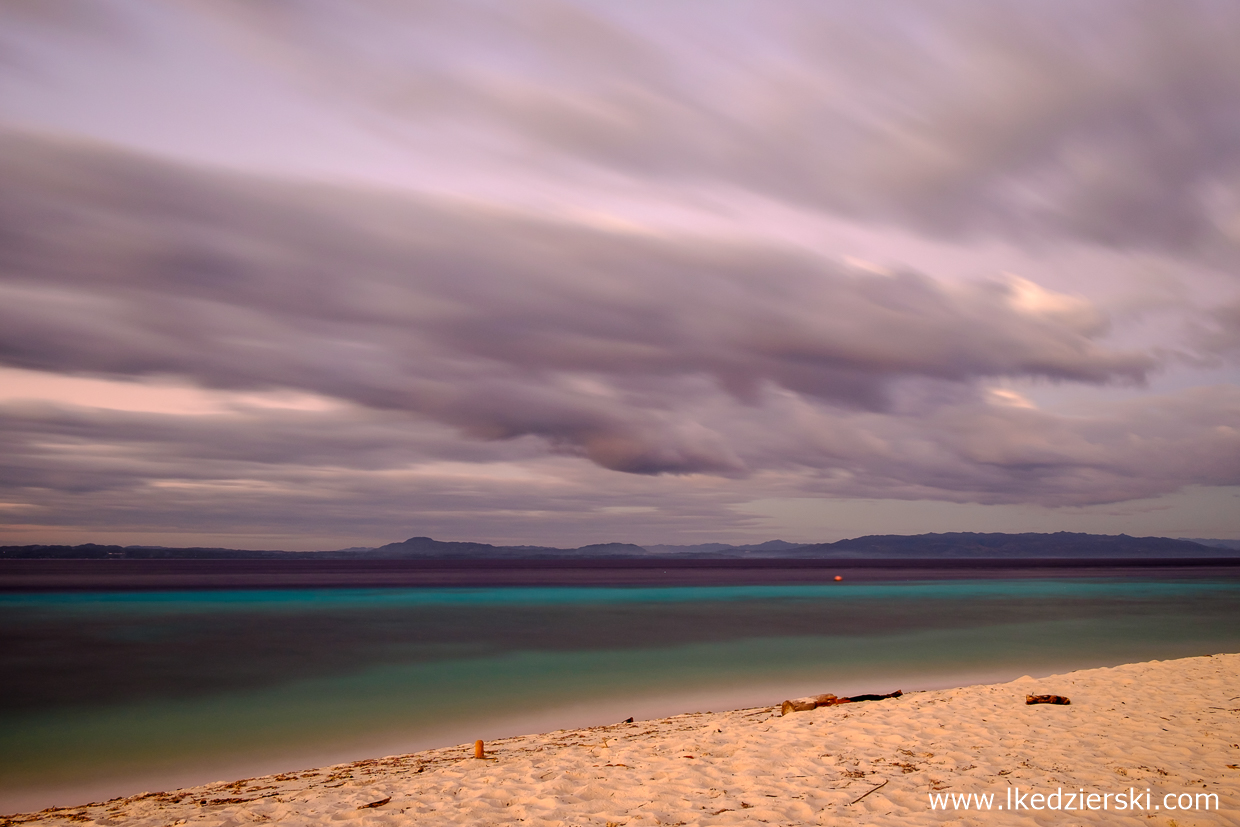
876 789
1047 699
806 704
855 698
815 701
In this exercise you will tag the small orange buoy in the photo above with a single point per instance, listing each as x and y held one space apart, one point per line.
478 752
838 578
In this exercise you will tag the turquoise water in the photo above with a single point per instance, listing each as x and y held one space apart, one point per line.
123 685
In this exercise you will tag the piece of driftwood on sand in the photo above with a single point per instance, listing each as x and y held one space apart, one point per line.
815 701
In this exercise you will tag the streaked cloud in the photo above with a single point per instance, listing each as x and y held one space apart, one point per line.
572 266
1109 124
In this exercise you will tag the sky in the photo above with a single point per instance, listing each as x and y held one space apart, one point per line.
313 274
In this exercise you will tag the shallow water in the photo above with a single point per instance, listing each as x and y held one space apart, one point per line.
106 691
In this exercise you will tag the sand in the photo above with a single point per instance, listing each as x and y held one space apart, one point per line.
1169 727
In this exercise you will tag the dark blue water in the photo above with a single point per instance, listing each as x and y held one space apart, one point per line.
120 687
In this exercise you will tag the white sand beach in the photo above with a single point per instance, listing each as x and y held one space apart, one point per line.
1157 735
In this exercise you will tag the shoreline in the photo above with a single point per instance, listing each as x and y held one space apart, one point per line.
1162 725
590 713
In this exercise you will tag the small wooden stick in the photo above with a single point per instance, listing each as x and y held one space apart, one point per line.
1047 699
478 751
876 789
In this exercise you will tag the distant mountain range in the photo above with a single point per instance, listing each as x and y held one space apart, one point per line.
957 545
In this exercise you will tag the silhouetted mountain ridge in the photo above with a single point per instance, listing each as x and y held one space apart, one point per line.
1032 545
954 545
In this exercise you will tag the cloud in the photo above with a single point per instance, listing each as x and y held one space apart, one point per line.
495 323
1111 124
974 451
371 476
458 337
489 371
307 479
1218 333
28 23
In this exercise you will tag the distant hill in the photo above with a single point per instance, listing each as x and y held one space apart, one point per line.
959 545
972 545
419 547
411 549
1234 545
94 551
712 548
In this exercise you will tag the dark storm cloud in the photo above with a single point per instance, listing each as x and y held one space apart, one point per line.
1111 122
497 324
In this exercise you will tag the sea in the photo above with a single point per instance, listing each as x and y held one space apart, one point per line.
119 685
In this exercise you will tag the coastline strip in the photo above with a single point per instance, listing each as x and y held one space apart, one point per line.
1167 730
